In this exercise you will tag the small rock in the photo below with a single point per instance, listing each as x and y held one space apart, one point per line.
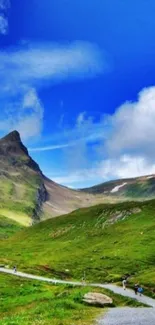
97 299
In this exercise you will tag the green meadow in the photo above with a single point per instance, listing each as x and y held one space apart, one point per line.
104 242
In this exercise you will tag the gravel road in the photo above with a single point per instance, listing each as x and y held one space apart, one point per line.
128 316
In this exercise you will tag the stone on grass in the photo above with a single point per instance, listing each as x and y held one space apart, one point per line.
97 299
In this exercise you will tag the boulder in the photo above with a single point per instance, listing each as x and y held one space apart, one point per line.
97 299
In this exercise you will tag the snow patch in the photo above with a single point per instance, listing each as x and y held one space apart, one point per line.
149 177
116 188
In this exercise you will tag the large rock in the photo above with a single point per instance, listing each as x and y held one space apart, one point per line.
97 299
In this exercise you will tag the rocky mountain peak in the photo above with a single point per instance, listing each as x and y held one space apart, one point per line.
11 144
13 151
13 136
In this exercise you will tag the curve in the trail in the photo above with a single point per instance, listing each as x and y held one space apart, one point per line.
116 289
130 293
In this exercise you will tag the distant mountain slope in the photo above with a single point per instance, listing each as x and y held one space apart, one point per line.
137 188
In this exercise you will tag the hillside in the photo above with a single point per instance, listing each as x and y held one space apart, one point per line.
21 187
105 242
8 227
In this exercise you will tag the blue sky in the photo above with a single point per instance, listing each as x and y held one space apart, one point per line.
78 82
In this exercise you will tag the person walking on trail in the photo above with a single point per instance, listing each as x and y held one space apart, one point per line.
140 290
124 283
15 269
136 286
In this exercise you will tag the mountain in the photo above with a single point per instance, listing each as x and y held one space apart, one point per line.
131 188
27 196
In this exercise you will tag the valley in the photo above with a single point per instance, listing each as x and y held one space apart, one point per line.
27 196
100 234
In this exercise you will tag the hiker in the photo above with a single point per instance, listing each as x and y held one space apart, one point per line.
14 269
83 280
136 286
124 283
140 290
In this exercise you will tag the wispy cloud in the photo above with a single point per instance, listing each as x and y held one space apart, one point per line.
4 6
75 178
37 63
50 148
25 115
3 25
29 67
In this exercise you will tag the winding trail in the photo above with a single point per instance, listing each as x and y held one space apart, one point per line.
112 287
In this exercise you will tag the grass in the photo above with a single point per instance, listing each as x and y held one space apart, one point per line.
18 196
106 242
8 227
19 217
26 302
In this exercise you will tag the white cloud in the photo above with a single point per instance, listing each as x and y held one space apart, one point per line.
123 167
133 126
126 141
130 130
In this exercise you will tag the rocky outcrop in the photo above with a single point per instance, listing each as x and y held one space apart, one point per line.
41 197
97 299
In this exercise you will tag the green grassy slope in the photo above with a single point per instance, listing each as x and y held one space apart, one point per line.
25 302
18 195
105 242
8 227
